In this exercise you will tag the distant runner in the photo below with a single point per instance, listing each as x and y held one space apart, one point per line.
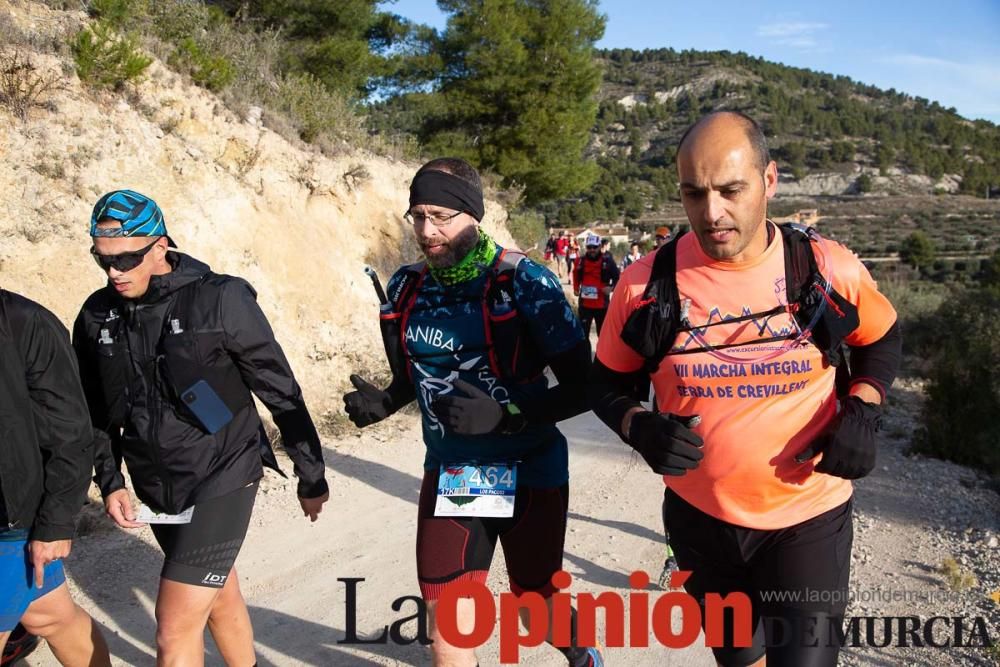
572 254
633 256
594 277
661 237
561 248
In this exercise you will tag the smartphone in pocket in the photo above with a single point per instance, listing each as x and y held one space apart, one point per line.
206 405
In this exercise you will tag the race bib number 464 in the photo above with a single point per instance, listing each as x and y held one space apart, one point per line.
483 490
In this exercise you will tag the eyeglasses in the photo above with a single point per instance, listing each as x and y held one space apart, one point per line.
123 261
436 219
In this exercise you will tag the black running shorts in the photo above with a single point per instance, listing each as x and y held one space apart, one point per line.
796 578
202 553
450 548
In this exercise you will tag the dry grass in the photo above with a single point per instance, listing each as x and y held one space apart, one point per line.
23 85
957 577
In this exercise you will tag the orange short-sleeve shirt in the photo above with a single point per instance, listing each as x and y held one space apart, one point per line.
755 415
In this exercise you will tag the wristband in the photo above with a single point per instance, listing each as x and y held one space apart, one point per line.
513 420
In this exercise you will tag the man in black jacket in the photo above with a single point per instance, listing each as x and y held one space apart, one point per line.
170 353
45 460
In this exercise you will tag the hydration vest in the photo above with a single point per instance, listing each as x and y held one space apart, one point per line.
824 316
512 353
184 354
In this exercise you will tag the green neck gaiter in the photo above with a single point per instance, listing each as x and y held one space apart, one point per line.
472 265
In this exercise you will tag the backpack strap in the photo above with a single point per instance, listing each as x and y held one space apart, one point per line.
800 262
404 292
181 306
511 352
827 317
822 312
5 331
514 354
393 321
651 327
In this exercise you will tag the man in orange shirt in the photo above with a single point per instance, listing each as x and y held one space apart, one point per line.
757 469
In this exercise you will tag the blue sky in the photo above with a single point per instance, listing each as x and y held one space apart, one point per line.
945 51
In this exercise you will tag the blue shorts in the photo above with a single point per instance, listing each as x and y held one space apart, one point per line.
17 578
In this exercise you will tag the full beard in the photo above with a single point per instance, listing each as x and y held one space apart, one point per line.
457 249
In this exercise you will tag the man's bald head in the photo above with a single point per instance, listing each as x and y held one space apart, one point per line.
726 119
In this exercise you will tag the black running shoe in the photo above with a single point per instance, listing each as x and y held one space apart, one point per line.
19 645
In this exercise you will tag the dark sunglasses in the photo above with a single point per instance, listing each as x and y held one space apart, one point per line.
123 261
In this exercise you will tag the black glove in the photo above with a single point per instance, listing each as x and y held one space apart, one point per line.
848 447
473 414
667 442
368 404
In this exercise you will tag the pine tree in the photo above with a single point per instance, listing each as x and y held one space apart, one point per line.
517 93
917 250
340 42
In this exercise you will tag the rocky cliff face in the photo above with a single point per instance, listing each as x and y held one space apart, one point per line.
893 181
297 224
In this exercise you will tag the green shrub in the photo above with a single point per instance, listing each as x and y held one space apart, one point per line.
175 20
315 110
864 183
117 13
917 250
105 59
963 392
208 70
917 303
990 271
527 228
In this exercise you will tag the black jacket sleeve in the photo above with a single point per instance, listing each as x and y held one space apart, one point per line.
612 394
61 421
610 271
569 397
107 455
265 370
402 393
877 364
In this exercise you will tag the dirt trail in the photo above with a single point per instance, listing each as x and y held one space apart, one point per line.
911 514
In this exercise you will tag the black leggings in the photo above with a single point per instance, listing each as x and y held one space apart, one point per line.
588 315
810 561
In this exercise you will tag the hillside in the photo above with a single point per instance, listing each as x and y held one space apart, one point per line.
829 134
297 224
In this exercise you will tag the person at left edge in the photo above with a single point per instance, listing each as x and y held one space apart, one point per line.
169 355
46 456
480 324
